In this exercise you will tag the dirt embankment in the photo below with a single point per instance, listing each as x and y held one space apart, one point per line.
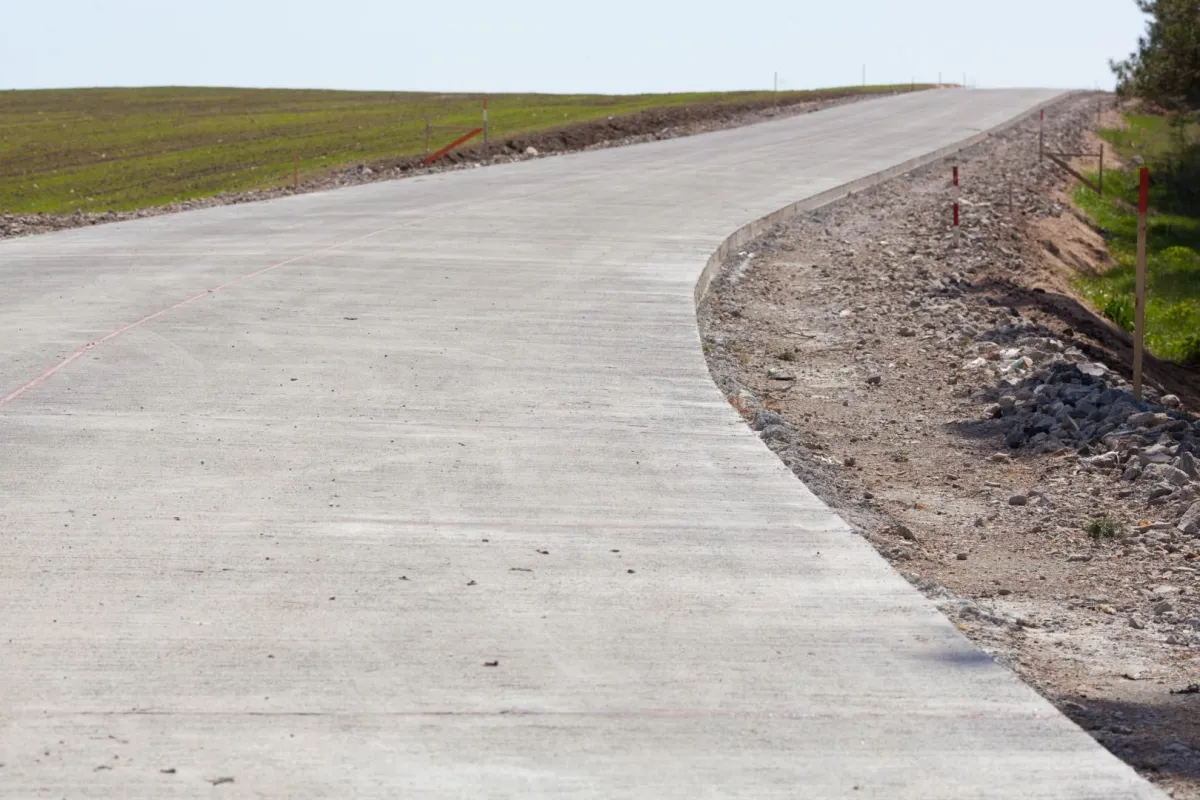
650 125
966 413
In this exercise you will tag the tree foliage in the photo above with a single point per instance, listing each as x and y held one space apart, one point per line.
1165 70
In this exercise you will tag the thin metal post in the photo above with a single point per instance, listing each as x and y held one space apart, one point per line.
485 128
295 171
1101 176
1139 299
427 136
776 81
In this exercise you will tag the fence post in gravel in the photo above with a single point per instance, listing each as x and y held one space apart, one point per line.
1139 298
1041 134
955 168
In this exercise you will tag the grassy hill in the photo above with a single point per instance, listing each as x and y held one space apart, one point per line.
100 149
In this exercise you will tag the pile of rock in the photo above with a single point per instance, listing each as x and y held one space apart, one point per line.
1052 399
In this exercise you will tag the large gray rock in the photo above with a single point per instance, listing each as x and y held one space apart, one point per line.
1108 460
1158 454
1161 490
1187 463
1177 476
1166 473
1041 423
1148 419
1190 524
765 419
1016 437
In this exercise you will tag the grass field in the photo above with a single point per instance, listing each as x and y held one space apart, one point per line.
121 149
1173 243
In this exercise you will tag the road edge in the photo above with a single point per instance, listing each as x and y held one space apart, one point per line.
755 228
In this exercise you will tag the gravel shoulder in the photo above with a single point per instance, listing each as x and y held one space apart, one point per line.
963 410
616 131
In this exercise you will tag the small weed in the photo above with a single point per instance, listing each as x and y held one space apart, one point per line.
1104 527
786 355
1119 308
900 458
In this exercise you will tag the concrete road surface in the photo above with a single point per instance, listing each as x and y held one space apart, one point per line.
422 489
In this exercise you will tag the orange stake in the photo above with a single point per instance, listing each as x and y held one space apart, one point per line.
452 145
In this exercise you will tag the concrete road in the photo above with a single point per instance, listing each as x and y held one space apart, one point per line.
422 489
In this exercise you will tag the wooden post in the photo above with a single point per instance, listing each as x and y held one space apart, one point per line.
955 205
1101 176
295 171
427 136
1139 300
485 129
1041 134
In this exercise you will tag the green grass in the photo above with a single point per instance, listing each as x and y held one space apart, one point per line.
100 149
1173 243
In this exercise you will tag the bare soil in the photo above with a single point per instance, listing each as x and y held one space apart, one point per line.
904 380
616 131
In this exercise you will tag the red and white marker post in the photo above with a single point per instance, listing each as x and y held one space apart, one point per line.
1139 298
956 205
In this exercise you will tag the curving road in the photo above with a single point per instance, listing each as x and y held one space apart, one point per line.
279 481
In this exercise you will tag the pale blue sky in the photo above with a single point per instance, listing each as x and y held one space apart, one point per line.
563 46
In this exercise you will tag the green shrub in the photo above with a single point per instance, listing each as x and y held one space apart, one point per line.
1104 527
